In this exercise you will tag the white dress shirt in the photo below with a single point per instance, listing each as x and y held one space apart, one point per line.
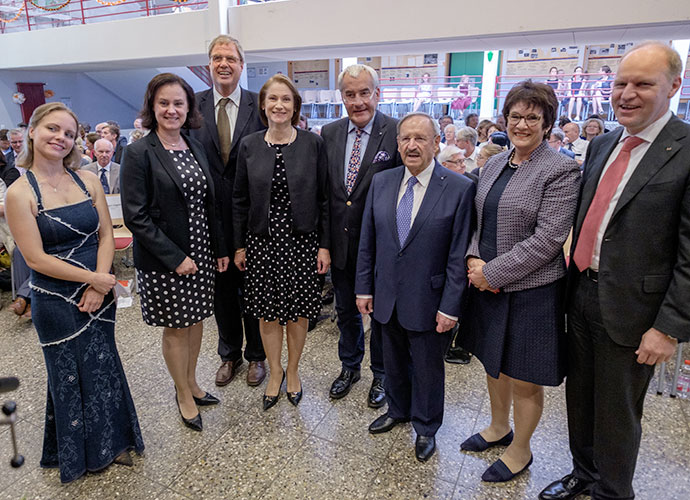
579 148
231 108
471 160
649 135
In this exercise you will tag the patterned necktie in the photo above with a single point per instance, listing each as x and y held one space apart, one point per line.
570 146
104 181
355 161
600 203
224 132
404 213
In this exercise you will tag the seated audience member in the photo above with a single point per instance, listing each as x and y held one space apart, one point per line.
463 99
107 170
443 122
556 142
91 139
500 122
99 128
525 204
562 121
466 139
12 171
552 80
592 128
449 135
574 143
498 138
111 132
472 120
4 142
601 90
577 88
482 131
136 135
487 152
424 90
303 122
453 159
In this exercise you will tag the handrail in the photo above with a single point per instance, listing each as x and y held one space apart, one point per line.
29 15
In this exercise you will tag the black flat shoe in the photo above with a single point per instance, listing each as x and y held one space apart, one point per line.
295 397
477 443
193 423
500 473
124 458
206 400
270 401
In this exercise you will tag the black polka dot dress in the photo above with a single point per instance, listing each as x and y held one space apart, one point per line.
282 278
171 300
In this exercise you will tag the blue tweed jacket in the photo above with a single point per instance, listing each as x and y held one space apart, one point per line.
535 214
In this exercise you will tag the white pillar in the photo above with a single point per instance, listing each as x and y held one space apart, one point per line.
682 46
488 95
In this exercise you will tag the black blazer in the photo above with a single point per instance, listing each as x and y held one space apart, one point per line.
346 211
248 121
306 168
644 268
154 207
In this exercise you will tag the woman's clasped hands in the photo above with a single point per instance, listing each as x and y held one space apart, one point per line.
475 273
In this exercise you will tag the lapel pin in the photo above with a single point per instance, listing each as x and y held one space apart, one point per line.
669 148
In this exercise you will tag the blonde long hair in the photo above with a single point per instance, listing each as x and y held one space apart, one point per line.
26 156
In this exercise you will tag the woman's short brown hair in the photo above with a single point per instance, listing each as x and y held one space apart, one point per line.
534 94
295 96
26 156
148 117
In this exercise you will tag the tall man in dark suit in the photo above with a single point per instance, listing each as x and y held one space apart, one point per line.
229 113
629 278
358 147
411 274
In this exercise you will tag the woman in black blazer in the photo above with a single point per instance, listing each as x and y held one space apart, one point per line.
168 204
280 215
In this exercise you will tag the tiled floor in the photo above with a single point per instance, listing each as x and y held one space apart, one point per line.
319 450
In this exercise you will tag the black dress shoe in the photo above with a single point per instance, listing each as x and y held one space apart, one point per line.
477 443
385 423
500 473
458 356
124 458
193 423
565 488
424 447
295 397
342 385
377 394
206 400
270 401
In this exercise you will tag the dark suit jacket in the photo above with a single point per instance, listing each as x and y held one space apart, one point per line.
154 207
305 164
248 121
644 268
346 211
427 274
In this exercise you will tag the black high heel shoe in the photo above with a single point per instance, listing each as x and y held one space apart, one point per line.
193 423
206 400
295 397
270 401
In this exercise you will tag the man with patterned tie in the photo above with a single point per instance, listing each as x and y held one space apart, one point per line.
358 147
107 171
411 275
229 113
629 277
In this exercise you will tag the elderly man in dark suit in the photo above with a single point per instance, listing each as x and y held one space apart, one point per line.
358 147
229 113
411 275
629 285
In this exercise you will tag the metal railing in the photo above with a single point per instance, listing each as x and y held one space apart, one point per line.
30 15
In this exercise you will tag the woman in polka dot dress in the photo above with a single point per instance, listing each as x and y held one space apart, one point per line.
168 204
280 216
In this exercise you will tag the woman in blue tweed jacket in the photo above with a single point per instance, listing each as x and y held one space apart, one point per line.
525 204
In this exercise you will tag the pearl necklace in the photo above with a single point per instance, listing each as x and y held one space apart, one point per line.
293 136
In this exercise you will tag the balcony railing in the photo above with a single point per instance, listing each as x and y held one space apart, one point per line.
29 15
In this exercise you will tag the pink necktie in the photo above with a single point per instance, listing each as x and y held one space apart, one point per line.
600 203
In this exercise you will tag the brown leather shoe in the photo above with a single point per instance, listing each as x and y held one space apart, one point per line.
227 372
18 306
256 373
